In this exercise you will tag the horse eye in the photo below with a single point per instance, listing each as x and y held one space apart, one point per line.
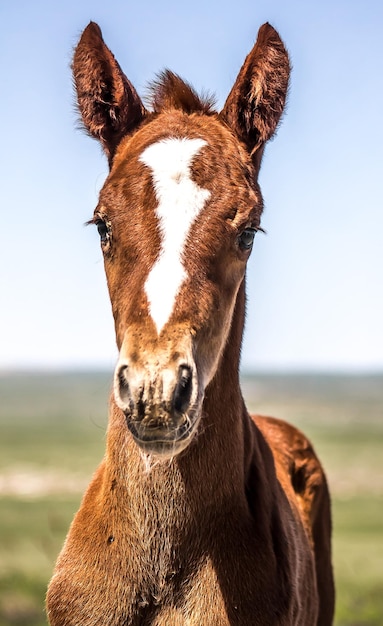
246 238
103 230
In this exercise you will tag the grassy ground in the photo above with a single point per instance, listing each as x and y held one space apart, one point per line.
52 436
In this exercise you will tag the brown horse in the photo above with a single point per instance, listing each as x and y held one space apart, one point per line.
198 514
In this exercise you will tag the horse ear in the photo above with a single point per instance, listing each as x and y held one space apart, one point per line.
109 105
256 101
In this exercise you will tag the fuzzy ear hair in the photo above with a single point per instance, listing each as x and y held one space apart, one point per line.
109 105
257 99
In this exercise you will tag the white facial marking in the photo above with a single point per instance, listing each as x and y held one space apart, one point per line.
180 200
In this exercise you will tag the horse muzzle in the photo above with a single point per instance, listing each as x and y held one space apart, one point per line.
161 404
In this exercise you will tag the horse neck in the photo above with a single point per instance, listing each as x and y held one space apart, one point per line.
232 432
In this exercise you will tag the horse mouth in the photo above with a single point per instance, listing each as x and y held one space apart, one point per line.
162 440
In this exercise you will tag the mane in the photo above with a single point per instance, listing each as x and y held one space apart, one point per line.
170 91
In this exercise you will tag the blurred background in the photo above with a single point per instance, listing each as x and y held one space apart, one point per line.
313 347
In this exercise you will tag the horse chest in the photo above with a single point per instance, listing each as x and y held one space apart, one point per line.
202 598
161 575
221 586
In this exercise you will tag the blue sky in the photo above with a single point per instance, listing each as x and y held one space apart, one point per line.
315 288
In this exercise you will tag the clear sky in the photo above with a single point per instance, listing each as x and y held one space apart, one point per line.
315 282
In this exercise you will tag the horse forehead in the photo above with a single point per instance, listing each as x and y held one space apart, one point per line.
180 137
170 161
172 157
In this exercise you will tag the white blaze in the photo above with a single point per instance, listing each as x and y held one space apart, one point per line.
180 200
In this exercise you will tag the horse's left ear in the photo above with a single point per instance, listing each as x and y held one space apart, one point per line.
109 105
257 99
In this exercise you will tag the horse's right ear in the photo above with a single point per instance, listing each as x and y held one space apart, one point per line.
109 105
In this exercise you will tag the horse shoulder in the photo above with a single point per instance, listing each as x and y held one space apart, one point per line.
298 468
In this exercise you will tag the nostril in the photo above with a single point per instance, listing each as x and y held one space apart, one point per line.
123 385
183 390
141 406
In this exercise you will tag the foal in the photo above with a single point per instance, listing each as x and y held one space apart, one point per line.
198 514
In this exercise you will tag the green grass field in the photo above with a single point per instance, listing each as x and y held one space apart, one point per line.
52 436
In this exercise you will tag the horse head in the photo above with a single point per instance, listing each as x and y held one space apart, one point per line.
177 217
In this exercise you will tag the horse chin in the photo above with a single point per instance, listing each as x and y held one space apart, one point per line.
163 443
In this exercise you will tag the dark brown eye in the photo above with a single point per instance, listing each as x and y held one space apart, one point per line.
246 238
102 230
